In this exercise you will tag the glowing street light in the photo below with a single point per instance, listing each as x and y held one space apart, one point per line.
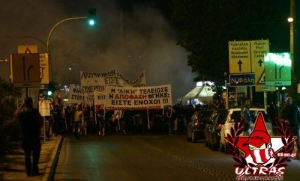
49 36
91 21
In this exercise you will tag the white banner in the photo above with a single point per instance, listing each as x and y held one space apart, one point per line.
91 82
151 97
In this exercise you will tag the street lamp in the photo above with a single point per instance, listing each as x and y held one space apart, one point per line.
92 21
49 36
291 21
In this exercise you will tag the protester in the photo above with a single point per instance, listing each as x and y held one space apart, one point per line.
67 115
109 121
78 122
118 120
58 122
168 114
290 113
31 121
271 109
86 117
247 117
100 121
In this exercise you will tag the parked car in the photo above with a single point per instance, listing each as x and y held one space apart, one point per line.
214 128
235 115
208 127
196 126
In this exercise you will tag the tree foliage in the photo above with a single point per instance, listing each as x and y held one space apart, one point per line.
8 93
206 26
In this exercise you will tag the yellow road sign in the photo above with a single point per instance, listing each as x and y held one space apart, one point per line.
27 49
44 68
239 57
258 49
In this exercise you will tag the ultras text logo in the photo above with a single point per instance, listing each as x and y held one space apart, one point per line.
259 156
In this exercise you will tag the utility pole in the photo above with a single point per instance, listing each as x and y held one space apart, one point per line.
292 20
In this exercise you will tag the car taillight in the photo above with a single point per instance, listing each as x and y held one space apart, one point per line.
219 127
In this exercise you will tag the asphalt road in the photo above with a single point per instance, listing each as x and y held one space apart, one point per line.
146 157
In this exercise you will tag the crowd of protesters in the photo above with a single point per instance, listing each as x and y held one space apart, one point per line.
99 121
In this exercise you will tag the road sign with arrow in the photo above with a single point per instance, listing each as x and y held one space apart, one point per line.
25 69
278 69
239 57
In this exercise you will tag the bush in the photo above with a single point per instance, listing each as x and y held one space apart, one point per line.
3 137
9 128
9 133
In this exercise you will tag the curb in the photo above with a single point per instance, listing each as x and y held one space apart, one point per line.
50 169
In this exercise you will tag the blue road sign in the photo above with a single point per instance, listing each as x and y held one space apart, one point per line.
236 80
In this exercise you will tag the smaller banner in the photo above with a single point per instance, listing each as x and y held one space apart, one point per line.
44 107
75 95
150 97
99 98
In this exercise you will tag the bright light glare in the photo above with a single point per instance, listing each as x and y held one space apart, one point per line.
92 22
290 19
49 93
279 58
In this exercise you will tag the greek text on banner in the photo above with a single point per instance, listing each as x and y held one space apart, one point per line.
151 97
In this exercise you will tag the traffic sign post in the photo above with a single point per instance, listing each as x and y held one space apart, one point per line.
44 62
247 58
25 69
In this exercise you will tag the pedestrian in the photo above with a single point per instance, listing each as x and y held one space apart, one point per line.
290 113
67 116
108 120
246 115
58 122
169 118
78 122
271 110
100 121
117 118
86 117
31 121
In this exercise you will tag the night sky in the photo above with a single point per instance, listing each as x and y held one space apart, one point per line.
129 38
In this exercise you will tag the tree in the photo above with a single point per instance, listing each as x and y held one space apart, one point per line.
206 26
9 130
8 93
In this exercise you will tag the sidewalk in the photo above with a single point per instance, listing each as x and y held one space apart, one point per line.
13 167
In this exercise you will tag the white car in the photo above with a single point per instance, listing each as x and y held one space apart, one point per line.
235 114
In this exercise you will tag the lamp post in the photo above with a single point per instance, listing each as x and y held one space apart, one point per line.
291 20
49 36
25 36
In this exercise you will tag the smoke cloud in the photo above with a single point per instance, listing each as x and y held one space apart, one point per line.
127 42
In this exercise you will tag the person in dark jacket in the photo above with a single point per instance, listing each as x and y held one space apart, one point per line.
247 116
290 112
31 121
100 121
